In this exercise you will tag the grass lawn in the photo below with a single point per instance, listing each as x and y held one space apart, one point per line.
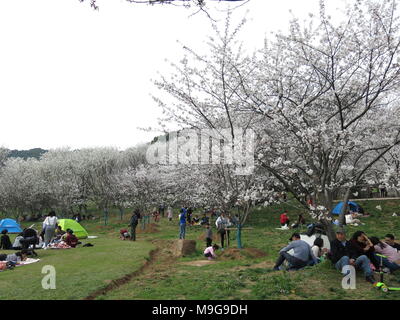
237 274
79 271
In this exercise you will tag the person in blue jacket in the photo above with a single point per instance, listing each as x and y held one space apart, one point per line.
182 223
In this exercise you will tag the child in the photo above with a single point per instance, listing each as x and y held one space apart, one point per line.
58 234
210 252
124 234
208 235
5 242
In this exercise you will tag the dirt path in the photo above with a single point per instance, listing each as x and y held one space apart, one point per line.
162 263
158 265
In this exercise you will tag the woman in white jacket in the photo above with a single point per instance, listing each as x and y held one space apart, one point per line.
50 225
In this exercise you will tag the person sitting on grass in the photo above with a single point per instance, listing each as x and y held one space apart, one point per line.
302 256
71 240
59 233
284 219
196 220
5 242
204 220
318 250
362 245
210 252
392 262
343 254
17 242
300 221
389 239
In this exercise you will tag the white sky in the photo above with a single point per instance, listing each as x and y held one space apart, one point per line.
72 76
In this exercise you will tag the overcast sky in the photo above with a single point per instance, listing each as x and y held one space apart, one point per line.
72 76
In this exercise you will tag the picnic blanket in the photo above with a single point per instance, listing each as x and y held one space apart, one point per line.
22 263
60 245
28 261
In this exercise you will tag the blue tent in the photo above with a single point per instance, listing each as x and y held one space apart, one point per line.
11 225
353 206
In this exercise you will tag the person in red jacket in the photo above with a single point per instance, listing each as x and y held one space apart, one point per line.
71 239
284 219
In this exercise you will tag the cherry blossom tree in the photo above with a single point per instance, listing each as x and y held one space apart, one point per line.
327 94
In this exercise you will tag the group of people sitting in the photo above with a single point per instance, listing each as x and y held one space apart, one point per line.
51 236
9 261
360 251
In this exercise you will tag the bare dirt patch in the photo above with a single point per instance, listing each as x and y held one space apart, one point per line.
198 263
155 267
150 228
241 254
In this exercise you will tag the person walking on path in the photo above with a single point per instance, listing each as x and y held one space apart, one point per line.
133 224
50 224
182 223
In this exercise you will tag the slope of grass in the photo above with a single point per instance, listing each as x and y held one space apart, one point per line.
254 279
82 271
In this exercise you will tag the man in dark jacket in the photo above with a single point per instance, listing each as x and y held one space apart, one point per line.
133 224
342 254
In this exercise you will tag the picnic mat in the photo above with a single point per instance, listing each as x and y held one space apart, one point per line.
28 261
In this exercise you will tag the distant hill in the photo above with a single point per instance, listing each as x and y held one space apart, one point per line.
25 154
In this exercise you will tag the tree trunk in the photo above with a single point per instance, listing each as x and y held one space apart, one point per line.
121 212
342 216
105 211
239 236
328 227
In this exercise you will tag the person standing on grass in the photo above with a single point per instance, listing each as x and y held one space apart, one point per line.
221 224
169 213
133 224
189 216
50 224
182 223
161 209
208 235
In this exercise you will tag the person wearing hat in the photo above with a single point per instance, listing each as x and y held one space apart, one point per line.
301 257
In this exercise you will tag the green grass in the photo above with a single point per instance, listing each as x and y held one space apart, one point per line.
79 271
82 271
